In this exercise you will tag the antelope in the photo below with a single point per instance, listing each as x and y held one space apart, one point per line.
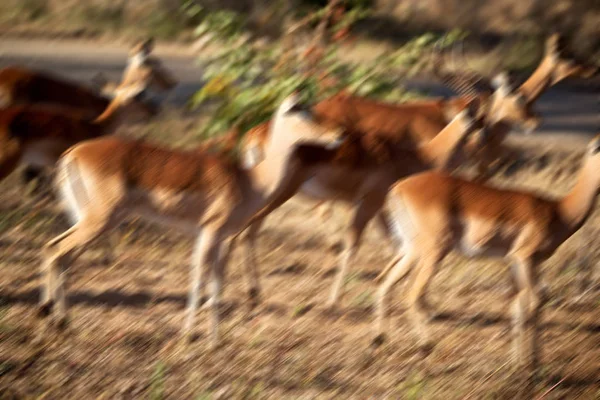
141 67
105 180
366 190
417 122
407 125
22 86
36 136
553 68
435 213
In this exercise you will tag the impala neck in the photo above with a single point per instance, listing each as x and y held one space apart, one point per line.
285 132
439 150
576 206
539 81
110 118
262 178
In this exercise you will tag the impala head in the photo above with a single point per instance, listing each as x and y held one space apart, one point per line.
510 106
563 67
142 67
128 102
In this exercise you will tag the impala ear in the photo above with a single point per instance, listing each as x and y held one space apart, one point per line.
141 51
293 103
594 146
145 46
148 45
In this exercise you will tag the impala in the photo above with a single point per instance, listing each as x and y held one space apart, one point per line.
21 86
393 123
435 213
141 67
365 190
37 136
105 180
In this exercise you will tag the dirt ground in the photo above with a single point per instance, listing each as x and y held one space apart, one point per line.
122 341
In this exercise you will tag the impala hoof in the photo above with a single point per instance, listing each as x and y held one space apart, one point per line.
45 309
378 341
62 323
254 298
426 348
187 338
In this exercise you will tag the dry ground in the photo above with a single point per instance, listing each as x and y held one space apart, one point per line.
122 341
126 316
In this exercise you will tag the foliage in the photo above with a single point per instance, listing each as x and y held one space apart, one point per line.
246 80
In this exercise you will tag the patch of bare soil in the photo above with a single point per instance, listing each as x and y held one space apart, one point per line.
123 341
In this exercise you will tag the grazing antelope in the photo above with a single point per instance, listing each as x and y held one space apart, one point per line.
37 136
21 86
364 189
105 180
435 213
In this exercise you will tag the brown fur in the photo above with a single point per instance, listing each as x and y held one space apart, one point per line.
19 85
437 213
107 179
553 68
50 131
22 86
361 173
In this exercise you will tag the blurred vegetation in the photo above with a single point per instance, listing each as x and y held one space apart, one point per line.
246 79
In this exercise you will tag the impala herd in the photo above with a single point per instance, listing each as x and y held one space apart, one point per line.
389 162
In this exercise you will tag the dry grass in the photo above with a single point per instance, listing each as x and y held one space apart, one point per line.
122 341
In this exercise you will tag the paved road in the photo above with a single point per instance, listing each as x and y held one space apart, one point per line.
571 110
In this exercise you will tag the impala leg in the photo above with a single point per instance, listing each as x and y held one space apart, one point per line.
419 310
218 266
526 312
254 289
32 179
224 253
390 265
398 270
366 210
205 252
61 252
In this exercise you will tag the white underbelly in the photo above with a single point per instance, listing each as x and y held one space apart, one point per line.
316 189
470 250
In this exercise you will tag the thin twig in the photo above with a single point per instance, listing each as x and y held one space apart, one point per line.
551 389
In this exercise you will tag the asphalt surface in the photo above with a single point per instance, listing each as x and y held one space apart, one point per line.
571 110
